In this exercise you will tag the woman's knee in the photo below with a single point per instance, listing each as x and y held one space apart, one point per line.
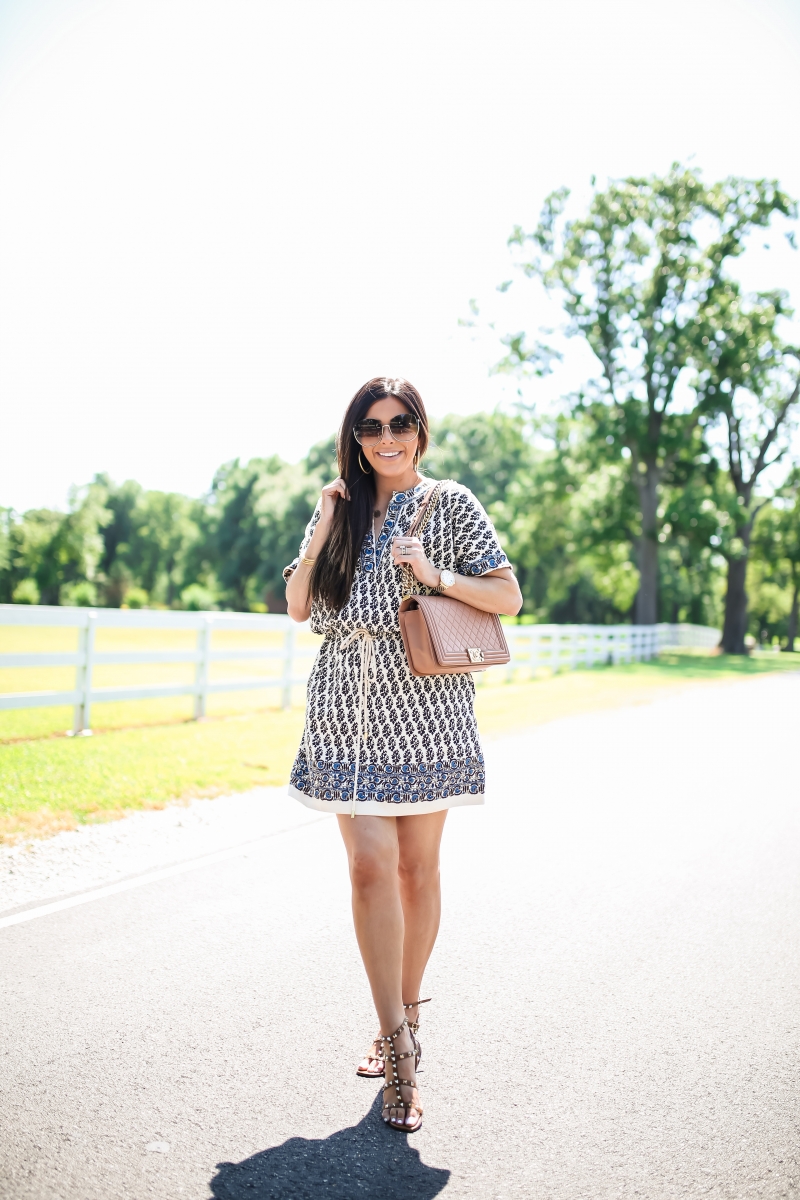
417 874
371 867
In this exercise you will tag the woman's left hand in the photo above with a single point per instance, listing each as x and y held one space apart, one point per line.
407 551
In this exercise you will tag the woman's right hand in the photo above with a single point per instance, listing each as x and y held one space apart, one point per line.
332 493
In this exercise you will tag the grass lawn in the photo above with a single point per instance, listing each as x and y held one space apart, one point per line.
50 782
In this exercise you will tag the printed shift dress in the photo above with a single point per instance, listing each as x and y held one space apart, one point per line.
377 739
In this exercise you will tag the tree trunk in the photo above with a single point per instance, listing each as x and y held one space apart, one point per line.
647 596
735 625
646 612
793 618
275 600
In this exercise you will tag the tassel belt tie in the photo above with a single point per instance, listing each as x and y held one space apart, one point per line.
367 674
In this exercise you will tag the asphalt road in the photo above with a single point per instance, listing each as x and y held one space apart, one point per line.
616 984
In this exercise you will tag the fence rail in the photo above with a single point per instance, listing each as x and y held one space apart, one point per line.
565 647
558 647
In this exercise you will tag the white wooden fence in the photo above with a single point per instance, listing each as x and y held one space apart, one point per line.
565 647
85 658
557 647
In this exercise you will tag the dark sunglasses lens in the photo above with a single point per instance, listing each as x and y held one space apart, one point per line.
368 432
405 428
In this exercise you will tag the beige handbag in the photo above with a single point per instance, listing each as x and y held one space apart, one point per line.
443 636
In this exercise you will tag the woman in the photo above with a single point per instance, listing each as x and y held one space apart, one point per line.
393 749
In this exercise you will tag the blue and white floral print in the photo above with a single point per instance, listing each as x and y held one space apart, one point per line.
421 751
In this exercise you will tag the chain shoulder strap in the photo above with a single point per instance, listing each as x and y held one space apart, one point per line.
410 585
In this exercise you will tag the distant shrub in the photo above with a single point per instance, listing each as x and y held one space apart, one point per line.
26 592
78 595
136 597
196 598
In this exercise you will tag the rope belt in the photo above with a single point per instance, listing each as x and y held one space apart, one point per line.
367 673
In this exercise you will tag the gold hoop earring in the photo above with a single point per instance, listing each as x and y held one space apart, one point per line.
363 468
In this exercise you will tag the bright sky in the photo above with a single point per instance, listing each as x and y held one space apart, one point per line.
219 217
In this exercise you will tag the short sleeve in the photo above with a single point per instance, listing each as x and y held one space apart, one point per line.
475 541
293 565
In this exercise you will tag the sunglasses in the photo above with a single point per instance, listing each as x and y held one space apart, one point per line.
403 428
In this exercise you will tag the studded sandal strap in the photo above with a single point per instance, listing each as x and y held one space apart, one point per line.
386 1037
396 1084
407 1105
414 1025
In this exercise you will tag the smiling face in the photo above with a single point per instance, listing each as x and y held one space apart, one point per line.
392 460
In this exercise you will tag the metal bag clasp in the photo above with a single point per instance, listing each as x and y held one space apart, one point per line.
475 654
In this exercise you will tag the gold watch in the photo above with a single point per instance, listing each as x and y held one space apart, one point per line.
446 580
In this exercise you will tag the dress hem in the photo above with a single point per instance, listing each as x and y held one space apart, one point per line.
385 808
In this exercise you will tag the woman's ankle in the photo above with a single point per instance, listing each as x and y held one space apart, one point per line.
393 1025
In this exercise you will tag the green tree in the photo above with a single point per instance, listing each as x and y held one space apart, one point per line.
166 525
563 540
750 380
484 451
59 552
691 566
6 528
259 511
637 277
776 549
121 502
153 542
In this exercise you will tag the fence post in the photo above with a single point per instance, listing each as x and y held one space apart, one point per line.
82 714
288 656
201 671
558 648
513 645
623 642
533 653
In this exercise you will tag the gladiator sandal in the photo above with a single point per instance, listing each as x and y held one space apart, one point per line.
414 1028
373 1065
396 1084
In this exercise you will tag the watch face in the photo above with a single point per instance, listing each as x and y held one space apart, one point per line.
446 579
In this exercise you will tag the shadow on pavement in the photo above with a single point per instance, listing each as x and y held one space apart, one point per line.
366 1159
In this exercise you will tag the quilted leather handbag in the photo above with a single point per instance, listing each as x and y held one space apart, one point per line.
443 636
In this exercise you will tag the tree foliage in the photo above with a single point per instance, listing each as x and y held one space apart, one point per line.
565 509
651 494
641 278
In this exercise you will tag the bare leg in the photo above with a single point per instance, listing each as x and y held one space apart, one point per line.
373 853
394 868
419 839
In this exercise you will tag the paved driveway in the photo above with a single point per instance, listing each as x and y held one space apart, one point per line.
617 992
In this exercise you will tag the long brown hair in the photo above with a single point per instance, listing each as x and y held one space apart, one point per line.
332 574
